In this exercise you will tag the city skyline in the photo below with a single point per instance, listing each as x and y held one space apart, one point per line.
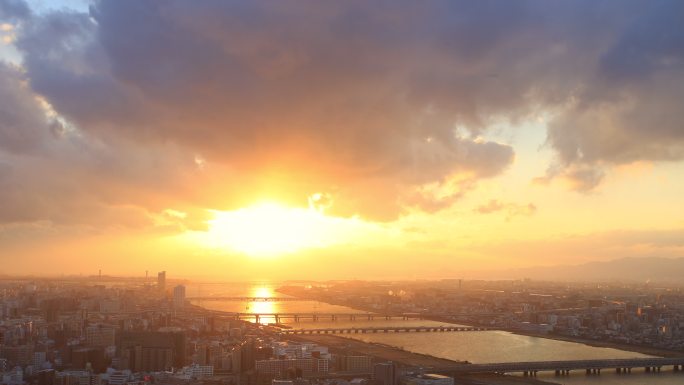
290 140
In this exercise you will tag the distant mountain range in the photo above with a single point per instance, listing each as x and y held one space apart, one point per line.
652 269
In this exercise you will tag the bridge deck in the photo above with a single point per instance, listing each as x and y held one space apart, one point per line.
357 314
507 367
248 299
404 329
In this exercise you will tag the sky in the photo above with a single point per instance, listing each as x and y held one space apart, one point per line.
334 140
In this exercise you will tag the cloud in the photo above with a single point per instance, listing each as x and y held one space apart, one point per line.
14 10
254 89
380 107
51 173
627 109
22 121
583 247
510 209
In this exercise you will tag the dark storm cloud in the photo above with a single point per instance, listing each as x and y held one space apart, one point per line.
629 108
22 121
360 100
49 172
14 10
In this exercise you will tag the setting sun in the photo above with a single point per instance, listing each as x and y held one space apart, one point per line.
269 229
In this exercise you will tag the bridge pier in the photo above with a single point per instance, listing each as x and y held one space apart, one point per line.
563 368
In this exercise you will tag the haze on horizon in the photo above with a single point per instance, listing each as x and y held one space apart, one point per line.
308 139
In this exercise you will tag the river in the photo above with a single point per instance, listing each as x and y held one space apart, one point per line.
476 347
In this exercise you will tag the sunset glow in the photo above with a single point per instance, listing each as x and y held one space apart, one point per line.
269 229
307 192
296 138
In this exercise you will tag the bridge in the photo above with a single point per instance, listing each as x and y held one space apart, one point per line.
297 317
248 299
384 329
565 367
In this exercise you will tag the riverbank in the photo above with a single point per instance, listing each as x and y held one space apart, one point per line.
651 351
494 379
382 352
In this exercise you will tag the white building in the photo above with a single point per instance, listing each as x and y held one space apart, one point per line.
281 367
282 382
198 371
81 377
117 377
39 359
428 379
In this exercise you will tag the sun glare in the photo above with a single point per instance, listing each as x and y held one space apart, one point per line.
269 229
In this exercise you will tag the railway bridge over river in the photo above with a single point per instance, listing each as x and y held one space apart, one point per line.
297 317
565 367
384 329
248 299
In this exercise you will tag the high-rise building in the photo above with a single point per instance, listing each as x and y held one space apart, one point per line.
151 351
46 377
281 367
354 364
100 335
161 281
39 359
21 355
179 296
198 371
88 357
385 373
74 377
